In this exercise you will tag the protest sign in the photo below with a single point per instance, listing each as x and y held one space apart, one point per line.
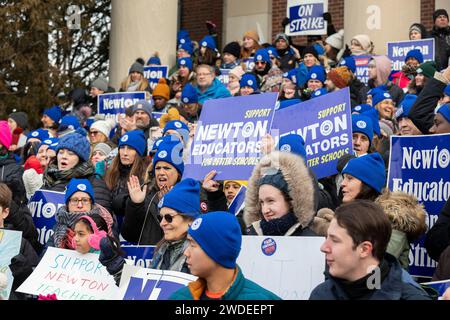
114 104
362 68
306 17
10 242
70 276
228 136
418 165
140 255
154 73
157 115
139 283
290 267
43 206
439 286
238 202
325 125
223 77
249 64
397 51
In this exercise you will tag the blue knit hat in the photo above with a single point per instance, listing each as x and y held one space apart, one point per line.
154 60
416 54
262 55
445 111
134 139
143 105
287 103
186 62
179 127
48 142
40 134
272 51
208 42
54 144
369 169
219 235
375 116
380 96
69 122
163 139
405 106
183 36
292 143
54 113
189 94
187 46
447 90
316 73
319 92
348 62
170 151
249 80
319 49
363 124
82 185
362 108
77 143
184 197
275 179
291 75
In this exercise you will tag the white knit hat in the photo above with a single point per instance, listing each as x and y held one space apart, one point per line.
237 71
336 40
104 126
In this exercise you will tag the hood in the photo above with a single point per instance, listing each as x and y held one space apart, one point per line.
405 213
300 183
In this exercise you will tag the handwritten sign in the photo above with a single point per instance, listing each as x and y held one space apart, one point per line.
9 247
71 276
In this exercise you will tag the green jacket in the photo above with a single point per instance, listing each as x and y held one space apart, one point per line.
241 289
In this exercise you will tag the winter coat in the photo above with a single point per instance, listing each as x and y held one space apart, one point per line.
142 218
120 192
215 91
398 285
422 111
442 271
442 44
301 191
22 266
358 92
438 237
240 289
408 219
11 174
287 59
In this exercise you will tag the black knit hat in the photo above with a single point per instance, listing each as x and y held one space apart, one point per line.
276 180
233 48
439 12
312 50
21 118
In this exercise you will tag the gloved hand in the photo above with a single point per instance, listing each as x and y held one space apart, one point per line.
110 258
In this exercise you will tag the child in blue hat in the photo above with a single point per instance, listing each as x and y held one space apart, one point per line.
214 262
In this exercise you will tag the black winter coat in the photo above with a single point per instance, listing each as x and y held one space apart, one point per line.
438 237
442 44
358 92
11 174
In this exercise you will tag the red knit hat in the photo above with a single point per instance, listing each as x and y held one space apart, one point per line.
341 77
33 163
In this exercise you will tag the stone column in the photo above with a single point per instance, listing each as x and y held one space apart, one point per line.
138 29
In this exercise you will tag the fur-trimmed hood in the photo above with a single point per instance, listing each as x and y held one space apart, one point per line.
298 178
404 212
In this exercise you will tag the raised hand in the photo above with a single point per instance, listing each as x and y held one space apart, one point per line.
137 194
267 144
209 184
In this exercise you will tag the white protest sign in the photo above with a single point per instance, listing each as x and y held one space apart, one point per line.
306 17
290 267
139 283
9 247
71 276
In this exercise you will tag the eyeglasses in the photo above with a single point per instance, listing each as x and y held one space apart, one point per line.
75 201
203 74
167 217
93 133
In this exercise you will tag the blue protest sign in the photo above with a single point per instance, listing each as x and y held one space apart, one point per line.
397 51
249 64
362 68
224 76
306 17
418 165
439 286
9 247
43 206
153 74
113 104
140 255
157 115
238 202
228 136
325 125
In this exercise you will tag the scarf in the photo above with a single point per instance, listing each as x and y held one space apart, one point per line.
54 176
358 290
278 227
133 86
170 256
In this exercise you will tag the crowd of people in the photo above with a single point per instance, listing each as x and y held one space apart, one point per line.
126 179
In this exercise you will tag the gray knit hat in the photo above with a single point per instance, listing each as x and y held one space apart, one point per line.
100 83
136 67
102 147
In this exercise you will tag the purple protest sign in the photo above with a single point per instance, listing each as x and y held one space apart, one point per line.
362 68
228 136
113 104
326 126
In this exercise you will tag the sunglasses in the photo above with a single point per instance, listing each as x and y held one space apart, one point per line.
167 217
260 62
94 133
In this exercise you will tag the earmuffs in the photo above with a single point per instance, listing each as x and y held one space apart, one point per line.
93 239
